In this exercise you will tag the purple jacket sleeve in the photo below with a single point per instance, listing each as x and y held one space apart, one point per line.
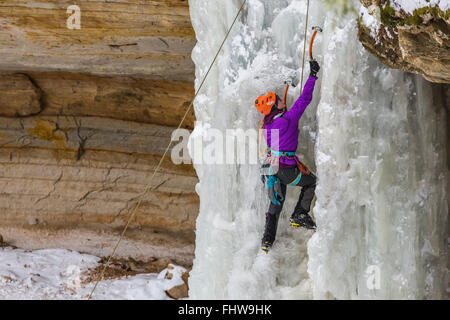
305 99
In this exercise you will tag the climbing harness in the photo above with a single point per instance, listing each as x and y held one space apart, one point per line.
282 153
272 161
149 186
288 155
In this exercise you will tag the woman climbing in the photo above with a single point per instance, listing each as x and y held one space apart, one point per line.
289 170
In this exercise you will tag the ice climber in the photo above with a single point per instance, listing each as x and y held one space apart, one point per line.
282 167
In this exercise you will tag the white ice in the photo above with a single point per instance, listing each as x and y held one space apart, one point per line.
373 136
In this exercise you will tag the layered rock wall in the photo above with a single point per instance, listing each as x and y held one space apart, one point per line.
85 116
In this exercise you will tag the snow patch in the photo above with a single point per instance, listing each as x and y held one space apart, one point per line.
371 19
410 5
57 274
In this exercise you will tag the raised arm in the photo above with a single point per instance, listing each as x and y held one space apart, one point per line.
306 97
303 101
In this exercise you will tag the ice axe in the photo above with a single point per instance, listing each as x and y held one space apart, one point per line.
315 28
294 82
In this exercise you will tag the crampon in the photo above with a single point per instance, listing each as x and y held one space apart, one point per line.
266 246
303 222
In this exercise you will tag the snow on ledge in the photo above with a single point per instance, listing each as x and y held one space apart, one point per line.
410 5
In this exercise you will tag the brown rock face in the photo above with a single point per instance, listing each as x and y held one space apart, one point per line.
151 39
418 42
181 291
178 292
21 96
162 102
85 116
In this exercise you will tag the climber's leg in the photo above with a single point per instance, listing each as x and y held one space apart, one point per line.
300 216
272 217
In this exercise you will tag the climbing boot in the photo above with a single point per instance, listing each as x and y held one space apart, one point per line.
302 220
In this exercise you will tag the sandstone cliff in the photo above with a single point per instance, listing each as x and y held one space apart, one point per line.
415 40
85 115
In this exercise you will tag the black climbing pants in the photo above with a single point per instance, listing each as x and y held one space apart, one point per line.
286 176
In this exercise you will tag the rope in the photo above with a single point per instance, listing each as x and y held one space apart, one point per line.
304 45
148 187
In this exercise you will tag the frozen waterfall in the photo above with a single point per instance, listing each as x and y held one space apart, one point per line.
374 136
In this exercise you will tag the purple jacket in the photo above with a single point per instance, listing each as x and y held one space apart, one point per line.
288 124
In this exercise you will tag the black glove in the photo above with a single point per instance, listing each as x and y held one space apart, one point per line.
314 67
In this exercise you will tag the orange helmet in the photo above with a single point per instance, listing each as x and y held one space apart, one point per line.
265 102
